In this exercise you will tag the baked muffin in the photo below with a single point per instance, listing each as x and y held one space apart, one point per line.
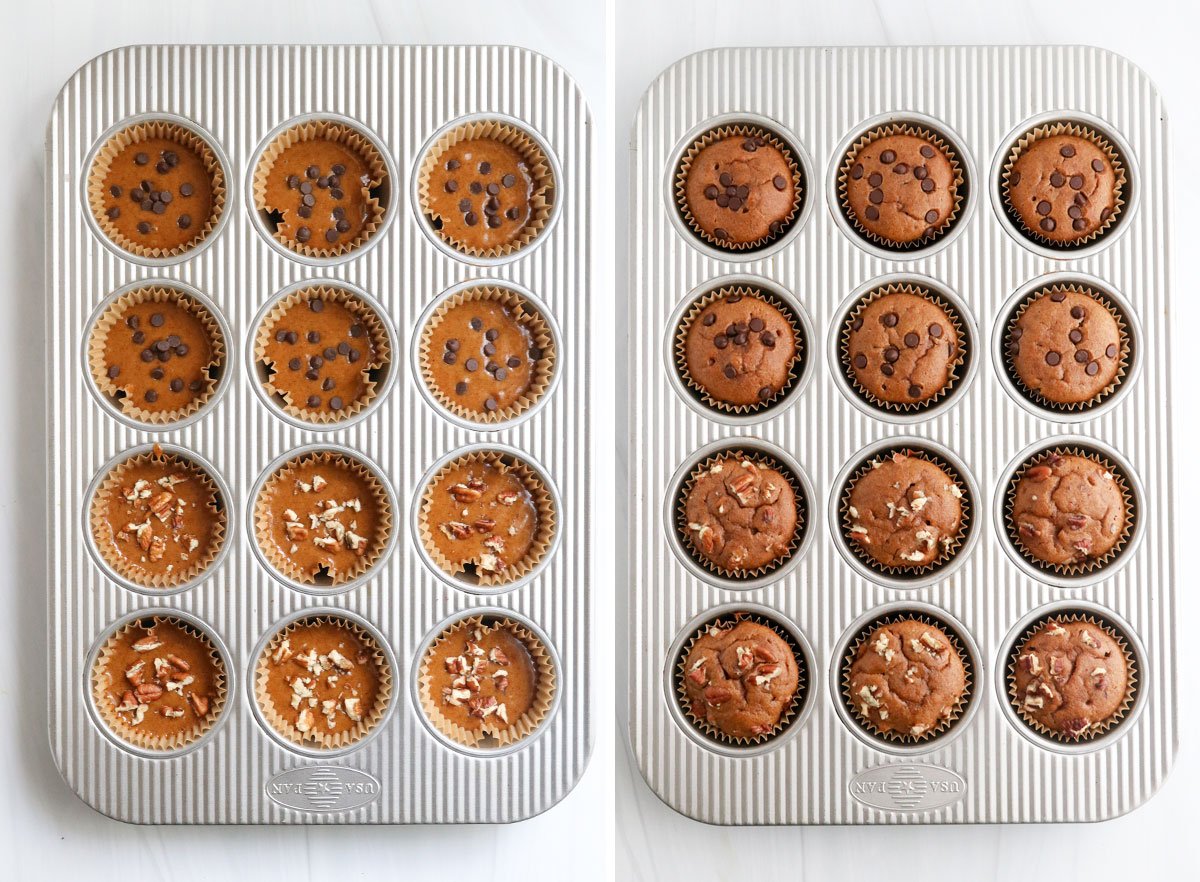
159 683
157 353
1068 510
486 518
902 347
486 355
740 515
486 682
322 682
156 189
320 185
739 187
901 186
1066 347
322 518
1063 184
740 678
906 680
1071 678
158 519
740 350
904 512
322 352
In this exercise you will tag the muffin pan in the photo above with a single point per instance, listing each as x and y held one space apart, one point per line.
990 766
240 770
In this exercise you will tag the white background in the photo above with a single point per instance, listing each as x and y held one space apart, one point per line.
45 832
654 843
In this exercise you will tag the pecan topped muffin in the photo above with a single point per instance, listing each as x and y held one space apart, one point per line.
740 515
741 679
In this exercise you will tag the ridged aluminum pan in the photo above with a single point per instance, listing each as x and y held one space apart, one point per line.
238 95
991 771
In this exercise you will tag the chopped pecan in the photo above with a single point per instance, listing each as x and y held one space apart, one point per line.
1038 473
464 493
200 703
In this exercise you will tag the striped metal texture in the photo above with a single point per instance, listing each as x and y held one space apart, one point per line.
991 770
240 94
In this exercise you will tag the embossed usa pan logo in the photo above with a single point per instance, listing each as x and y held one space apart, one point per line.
907 787
322 788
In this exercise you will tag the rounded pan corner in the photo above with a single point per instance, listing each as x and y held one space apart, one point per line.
58 96
679 810
580 771
1141 71
1172 758
56 758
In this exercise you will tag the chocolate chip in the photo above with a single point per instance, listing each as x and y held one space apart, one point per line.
872 212
1056 179
914 391
1074 212
292 337
1093 368
157 374
490 404
356 330
337 193
327 384
1082 356
1079 224
157 320
756 324
1076 335
1014 179
315 361
911 340
331 236
304 211
735 203
508 180
306 188
312 172
512 213
931 216
323 183
927 185
1048 224
293 183
343 348
1053 358
500 374
749 145
489 349
709 320
141 159
485 168
186 189
780 182
857 171
313 336
471 219
927 151
730 372
887 157
460 387
115 190
177 385
1097 165
195 385
494 222
309 200
891 355
1067 150
860 361
160 208
139 337
935 330
767 339
314 401
1057 296
311 374
133 322
876 197
303 234
451 186
920 172
721 233
147 355
151 396
343 226
113 213
472 364
451 165
294 364
887 370
165 197
513 362
889 319
493 189
113 372
1076 182
875 180
143 227
711 192
1078 312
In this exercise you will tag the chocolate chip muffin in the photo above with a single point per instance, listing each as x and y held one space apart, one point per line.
740 515
1071 678
901 186
902 347
1066 346
741 679
906 680
904 512
739 187
740 350
1063 184
1068 510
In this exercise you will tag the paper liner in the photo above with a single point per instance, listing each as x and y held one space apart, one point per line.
323 740
737 131
918 131
204 556
1091 564
136 134
547 518
948 551
703 303
1096 730
517 729
956 366
335 461
758 458
376 332
525 314
102 682
109 319
955 641
727 622
541 199
1079 131
350 138
1122 363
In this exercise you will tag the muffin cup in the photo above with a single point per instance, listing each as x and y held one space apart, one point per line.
762 459
726 622
136 134
737 131
543 371
102 682
112 484
98 341
681 349
286 473
1079 131
905 738
375 331
541 199
919 131
323 740
354 141
1122 365
948 551
1096 730
956 367
1091 565
543 501
516 730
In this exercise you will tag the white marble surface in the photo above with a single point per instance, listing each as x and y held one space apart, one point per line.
653 842
45 832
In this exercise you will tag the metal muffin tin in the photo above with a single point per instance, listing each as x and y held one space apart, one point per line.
238 96
990 767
